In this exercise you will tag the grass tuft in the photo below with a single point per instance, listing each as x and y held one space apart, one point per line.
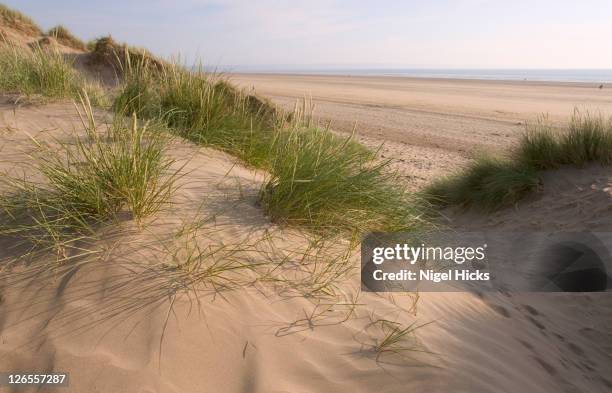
44 72
65 37
18 21
490 182
107 51
487 183
202 107
397 339
328 183
89 180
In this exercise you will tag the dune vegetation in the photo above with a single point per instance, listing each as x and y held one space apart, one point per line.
120 168
202 107
493 182
330 183
18 21
44 72
105 51
317 179
65 37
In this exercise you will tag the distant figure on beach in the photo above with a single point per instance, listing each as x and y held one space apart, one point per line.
601 86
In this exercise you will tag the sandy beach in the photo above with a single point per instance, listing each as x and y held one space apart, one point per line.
431 125
118 322
163 232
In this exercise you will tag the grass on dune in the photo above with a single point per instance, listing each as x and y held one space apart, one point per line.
396 339
491 182
107 51
18 21
329 183
202 107
487 183
65 37
89 180
587 139
317 179
44 72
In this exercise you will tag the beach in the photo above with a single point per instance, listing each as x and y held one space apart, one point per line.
431 126
165 231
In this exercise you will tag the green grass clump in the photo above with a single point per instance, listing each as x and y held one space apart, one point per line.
587 139
490 182
18 21
44 72
202 107
65 37
90 180
107 51
330 184
487 183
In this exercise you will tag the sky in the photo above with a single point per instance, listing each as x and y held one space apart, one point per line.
343 33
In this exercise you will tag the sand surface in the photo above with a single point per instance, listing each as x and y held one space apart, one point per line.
132 317
431 126
121 320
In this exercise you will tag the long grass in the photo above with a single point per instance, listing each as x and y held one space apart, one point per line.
202 107
493 182
65 37
329 183
588 138
487 183
89 180
108 52
43 72
318 180
18 21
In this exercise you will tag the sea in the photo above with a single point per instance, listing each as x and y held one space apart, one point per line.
543 75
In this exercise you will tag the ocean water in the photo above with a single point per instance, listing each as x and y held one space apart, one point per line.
549 75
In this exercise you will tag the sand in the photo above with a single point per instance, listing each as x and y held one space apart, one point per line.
432 126
128 318
121 323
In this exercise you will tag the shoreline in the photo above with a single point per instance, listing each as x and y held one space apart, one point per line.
526 82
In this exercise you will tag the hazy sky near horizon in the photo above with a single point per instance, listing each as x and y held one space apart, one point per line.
437 33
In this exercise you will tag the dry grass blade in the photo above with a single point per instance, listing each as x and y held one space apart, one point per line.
397 339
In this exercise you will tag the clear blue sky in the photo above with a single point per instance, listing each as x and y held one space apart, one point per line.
379 33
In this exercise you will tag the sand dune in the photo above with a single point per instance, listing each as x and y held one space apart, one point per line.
120 321
132 315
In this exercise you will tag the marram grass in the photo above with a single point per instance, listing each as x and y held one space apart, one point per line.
18 21
329 184
89 180
65 37
492 182
199 106
588 138
317 179
44 72
487 183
